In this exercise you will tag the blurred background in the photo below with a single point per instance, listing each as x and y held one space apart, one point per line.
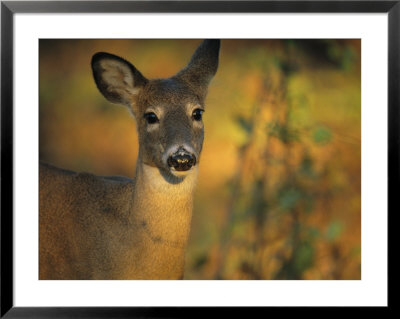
283 120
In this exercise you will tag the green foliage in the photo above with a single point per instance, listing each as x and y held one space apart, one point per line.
245 124
306 168
334 230
308 203
343 55
303 257
257 58
313 233
322 135
288 198
282 132
298 100
286 67
259 204
200 261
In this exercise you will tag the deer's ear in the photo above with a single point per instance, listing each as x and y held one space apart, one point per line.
117 79
202 66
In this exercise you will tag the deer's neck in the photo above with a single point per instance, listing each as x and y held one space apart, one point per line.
162 209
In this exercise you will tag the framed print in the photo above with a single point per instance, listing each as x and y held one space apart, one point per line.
249 148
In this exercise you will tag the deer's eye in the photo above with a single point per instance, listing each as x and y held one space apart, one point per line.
151 118
197 114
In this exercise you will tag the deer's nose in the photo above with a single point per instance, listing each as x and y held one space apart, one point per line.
181 160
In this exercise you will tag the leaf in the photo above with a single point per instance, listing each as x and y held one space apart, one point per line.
343 56
200 261
304 257
306 167
334 230
313 232
245 124
282 132
348 58
288 198
308 203
322 135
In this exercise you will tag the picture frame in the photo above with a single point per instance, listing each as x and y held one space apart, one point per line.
9 8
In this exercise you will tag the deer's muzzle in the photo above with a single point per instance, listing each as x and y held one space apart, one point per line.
181 160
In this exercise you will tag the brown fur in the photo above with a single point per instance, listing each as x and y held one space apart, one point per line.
94 227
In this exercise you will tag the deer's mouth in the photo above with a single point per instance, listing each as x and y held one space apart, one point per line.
181 162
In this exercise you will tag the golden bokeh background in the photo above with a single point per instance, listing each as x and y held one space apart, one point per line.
279 190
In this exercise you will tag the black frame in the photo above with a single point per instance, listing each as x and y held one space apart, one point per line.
8 8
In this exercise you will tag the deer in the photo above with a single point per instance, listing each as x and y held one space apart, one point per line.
116 228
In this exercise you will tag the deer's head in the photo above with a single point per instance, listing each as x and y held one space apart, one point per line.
168 111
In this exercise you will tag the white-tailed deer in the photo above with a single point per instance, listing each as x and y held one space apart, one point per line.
94 227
